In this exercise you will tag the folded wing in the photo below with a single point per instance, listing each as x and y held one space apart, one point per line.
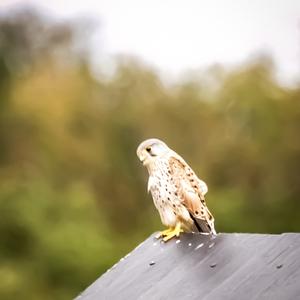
191 191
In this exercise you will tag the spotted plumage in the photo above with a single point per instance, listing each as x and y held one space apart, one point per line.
177 192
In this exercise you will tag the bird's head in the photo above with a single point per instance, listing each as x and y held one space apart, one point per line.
149 150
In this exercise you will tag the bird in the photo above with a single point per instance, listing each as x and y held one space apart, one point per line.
177 192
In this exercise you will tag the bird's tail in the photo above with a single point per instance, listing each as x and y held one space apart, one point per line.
204 226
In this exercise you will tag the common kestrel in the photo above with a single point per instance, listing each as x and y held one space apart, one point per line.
177 192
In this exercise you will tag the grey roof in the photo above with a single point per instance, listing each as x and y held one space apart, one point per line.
197 266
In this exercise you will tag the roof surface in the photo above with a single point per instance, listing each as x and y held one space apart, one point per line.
197 266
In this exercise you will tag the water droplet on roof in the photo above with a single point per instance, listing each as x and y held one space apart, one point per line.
211 245
213 265
151 263
190 244
178 241
199 246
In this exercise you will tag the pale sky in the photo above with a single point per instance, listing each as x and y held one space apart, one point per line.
177 35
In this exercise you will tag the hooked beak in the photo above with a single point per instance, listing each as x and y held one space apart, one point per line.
142 156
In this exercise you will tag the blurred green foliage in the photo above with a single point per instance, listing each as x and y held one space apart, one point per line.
72 192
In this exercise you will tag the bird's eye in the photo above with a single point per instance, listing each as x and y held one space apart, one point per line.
148 149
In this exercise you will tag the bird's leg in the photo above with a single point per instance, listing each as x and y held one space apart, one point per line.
164 233
174 232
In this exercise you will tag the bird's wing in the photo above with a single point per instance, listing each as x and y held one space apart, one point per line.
191 191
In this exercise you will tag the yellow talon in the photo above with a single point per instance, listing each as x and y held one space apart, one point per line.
163 233
173 232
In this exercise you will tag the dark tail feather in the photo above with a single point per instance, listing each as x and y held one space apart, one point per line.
196 223
202 225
